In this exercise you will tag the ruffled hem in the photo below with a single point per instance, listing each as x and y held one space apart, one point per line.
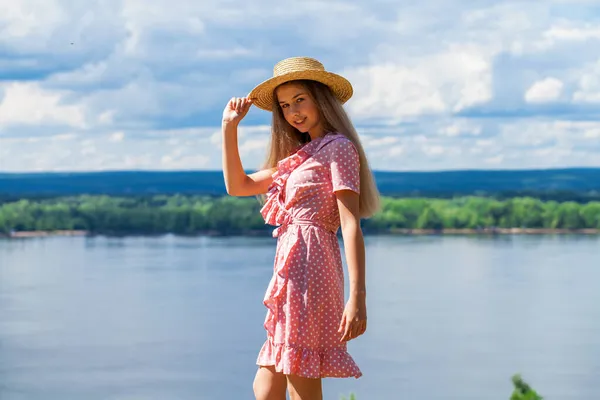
308 363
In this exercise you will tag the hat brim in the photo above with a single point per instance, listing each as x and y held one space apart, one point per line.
262 94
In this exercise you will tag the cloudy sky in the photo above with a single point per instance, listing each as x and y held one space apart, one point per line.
439 84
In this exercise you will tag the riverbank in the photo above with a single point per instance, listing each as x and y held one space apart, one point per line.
254 233
27 234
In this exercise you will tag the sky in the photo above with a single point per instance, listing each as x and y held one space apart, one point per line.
438 84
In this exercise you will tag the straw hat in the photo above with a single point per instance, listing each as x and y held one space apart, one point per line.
299 68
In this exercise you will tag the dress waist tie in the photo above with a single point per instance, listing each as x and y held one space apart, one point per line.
302 222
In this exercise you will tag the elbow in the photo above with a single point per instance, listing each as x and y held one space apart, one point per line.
350 226
232 191
237 188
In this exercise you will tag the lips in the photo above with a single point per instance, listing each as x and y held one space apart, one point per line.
299 121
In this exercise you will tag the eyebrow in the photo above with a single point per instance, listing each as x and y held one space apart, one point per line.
299 94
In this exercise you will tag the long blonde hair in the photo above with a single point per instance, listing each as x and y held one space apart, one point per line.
285 139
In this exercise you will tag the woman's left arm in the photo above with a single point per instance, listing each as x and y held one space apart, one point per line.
354 319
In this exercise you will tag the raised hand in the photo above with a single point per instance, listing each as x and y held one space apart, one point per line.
236 109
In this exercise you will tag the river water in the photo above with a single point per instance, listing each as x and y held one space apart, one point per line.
181 318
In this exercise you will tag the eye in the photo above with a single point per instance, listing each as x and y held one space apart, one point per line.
299 99
284 105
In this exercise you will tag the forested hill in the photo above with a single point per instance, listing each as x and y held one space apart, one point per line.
578 181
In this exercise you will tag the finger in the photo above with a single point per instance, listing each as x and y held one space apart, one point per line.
347 331
342 324
238 105
246 104
363 327
354 329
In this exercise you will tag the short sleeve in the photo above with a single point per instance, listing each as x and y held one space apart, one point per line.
345 165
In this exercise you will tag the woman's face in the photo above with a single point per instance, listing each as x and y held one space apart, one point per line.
299 109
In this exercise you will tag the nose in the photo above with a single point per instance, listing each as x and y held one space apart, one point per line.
294 109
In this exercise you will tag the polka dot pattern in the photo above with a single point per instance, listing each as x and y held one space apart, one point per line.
305 297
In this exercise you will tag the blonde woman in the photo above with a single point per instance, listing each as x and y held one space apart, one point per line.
316 178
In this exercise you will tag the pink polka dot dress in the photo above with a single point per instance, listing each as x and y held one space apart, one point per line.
305 297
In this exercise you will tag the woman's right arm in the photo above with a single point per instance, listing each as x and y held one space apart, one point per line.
237 182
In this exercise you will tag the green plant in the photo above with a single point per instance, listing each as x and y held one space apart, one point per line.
522 390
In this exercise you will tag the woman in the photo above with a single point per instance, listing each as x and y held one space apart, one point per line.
316 179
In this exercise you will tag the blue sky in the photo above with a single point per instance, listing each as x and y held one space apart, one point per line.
439 85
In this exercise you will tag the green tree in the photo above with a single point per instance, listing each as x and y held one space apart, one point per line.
590 214
429 219
567 216
194 214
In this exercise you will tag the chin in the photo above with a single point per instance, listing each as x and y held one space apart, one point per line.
301 130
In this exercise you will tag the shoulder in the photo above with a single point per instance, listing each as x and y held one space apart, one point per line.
340 145
337 141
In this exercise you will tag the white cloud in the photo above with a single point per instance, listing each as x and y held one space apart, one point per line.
372 142
495 160
450 81
106 117
589 84
254 145
18 21
560 135
146 150
396 151
573 33
64 137
393 91
514 145
543 91
460 128
433 150
42 36
184 162
116 137
28 104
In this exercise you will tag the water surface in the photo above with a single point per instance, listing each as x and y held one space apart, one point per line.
181 318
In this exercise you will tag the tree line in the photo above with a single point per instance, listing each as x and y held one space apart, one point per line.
185 215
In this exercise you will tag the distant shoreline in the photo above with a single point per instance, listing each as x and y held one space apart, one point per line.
390 232
26 234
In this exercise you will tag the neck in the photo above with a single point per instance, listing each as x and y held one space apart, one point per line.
317 133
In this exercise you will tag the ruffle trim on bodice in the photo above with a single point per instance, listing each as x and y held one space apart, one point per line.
274 211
